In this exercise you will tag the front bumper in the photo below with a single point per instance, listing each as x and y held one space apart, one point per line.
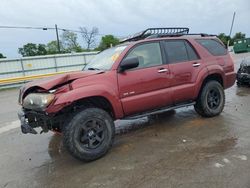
31 119
25 127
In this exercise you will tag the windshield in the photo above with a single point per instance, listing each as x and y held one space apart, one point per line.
105 59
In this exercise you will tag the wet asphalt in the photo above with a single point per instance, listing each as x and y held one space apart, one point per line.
175 149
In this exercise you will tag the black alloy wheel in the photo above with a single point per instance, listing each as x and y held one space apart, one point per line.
89 134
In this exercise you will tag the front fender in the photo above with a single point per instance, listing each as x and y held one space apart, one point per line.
67 98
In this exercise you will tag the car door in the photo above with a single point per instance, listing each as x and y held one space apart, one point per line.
184 66
147 86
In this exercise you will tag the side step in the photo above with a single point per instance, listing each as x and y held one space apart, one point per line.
158 111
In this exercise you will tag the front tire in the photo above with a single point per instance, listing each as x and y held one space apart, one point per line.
89 134
211 100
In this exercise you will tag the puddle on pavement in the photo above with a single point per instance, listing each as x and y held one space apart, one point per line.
126 126
242 91
218 147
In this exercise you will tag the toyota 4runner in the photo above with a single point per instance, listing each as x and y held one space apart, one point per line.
153 71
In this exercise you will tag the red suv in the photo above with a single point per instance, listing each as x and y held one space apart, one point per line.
154 71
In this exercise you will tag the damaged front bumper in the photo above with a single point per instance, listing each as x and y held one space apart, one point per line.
31 119
25 127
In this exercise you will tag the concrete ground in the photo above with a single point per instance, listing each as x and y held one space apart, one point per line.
179 149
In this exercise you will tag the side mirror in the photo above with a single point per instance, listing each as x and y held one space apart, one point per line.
129 63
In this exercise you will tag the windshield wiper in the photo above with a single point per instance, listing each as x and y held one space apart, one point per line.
91 68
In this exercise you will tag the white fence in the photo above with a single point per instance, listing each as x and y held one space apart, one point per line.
28 66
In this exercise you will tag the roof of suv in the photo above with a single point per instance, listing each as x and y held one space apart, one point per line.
156 33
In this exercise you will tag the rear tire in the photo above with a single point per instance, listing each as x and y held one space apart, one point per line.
211 100
89 134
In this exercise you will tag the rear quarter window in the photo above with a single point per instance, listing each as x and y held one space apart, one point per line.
213 46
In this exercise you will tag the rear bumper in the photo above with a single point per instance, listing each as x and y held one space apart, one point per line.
229 79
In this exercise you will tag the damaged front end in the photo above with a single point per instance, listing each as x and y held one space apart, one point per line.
38 100
33 113
243 74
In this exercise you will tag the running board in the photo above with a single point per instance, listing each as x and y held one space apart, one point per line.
158 111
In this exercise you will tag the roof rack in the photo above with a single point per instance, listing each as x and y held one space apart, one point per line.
162 32
153 32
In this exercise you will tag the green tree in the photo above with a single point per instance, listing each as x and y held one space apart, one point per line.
225 38
108 41
69 41
2 56
52 47
41 49
31 49
239 35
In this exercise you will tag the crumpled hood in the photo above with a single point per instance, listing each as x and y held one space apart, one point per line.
50 82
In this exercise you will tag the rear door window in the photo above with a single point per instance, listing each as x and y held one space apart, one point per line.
192 54
179 51
213 46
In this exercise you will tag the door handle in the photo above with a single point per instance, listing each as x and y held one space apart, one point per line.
196 64
162 70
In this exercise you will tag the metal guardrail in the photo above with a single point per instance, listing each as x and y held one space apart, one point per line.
29 68
26 78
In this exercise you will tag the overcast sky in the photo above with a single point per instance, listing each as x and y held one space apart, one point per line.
117 17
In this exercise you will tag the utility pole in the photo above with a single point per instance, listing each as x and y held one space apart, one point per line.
232 25
57 38
231 28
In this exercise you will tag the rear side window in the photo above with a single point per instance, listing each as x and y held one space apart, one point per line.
213 46
179 51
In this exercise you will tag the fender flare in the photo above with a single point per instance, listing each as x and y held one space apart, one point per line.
211 70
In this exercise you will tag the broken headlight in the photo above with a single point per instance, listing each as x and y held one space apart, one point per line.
38 101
